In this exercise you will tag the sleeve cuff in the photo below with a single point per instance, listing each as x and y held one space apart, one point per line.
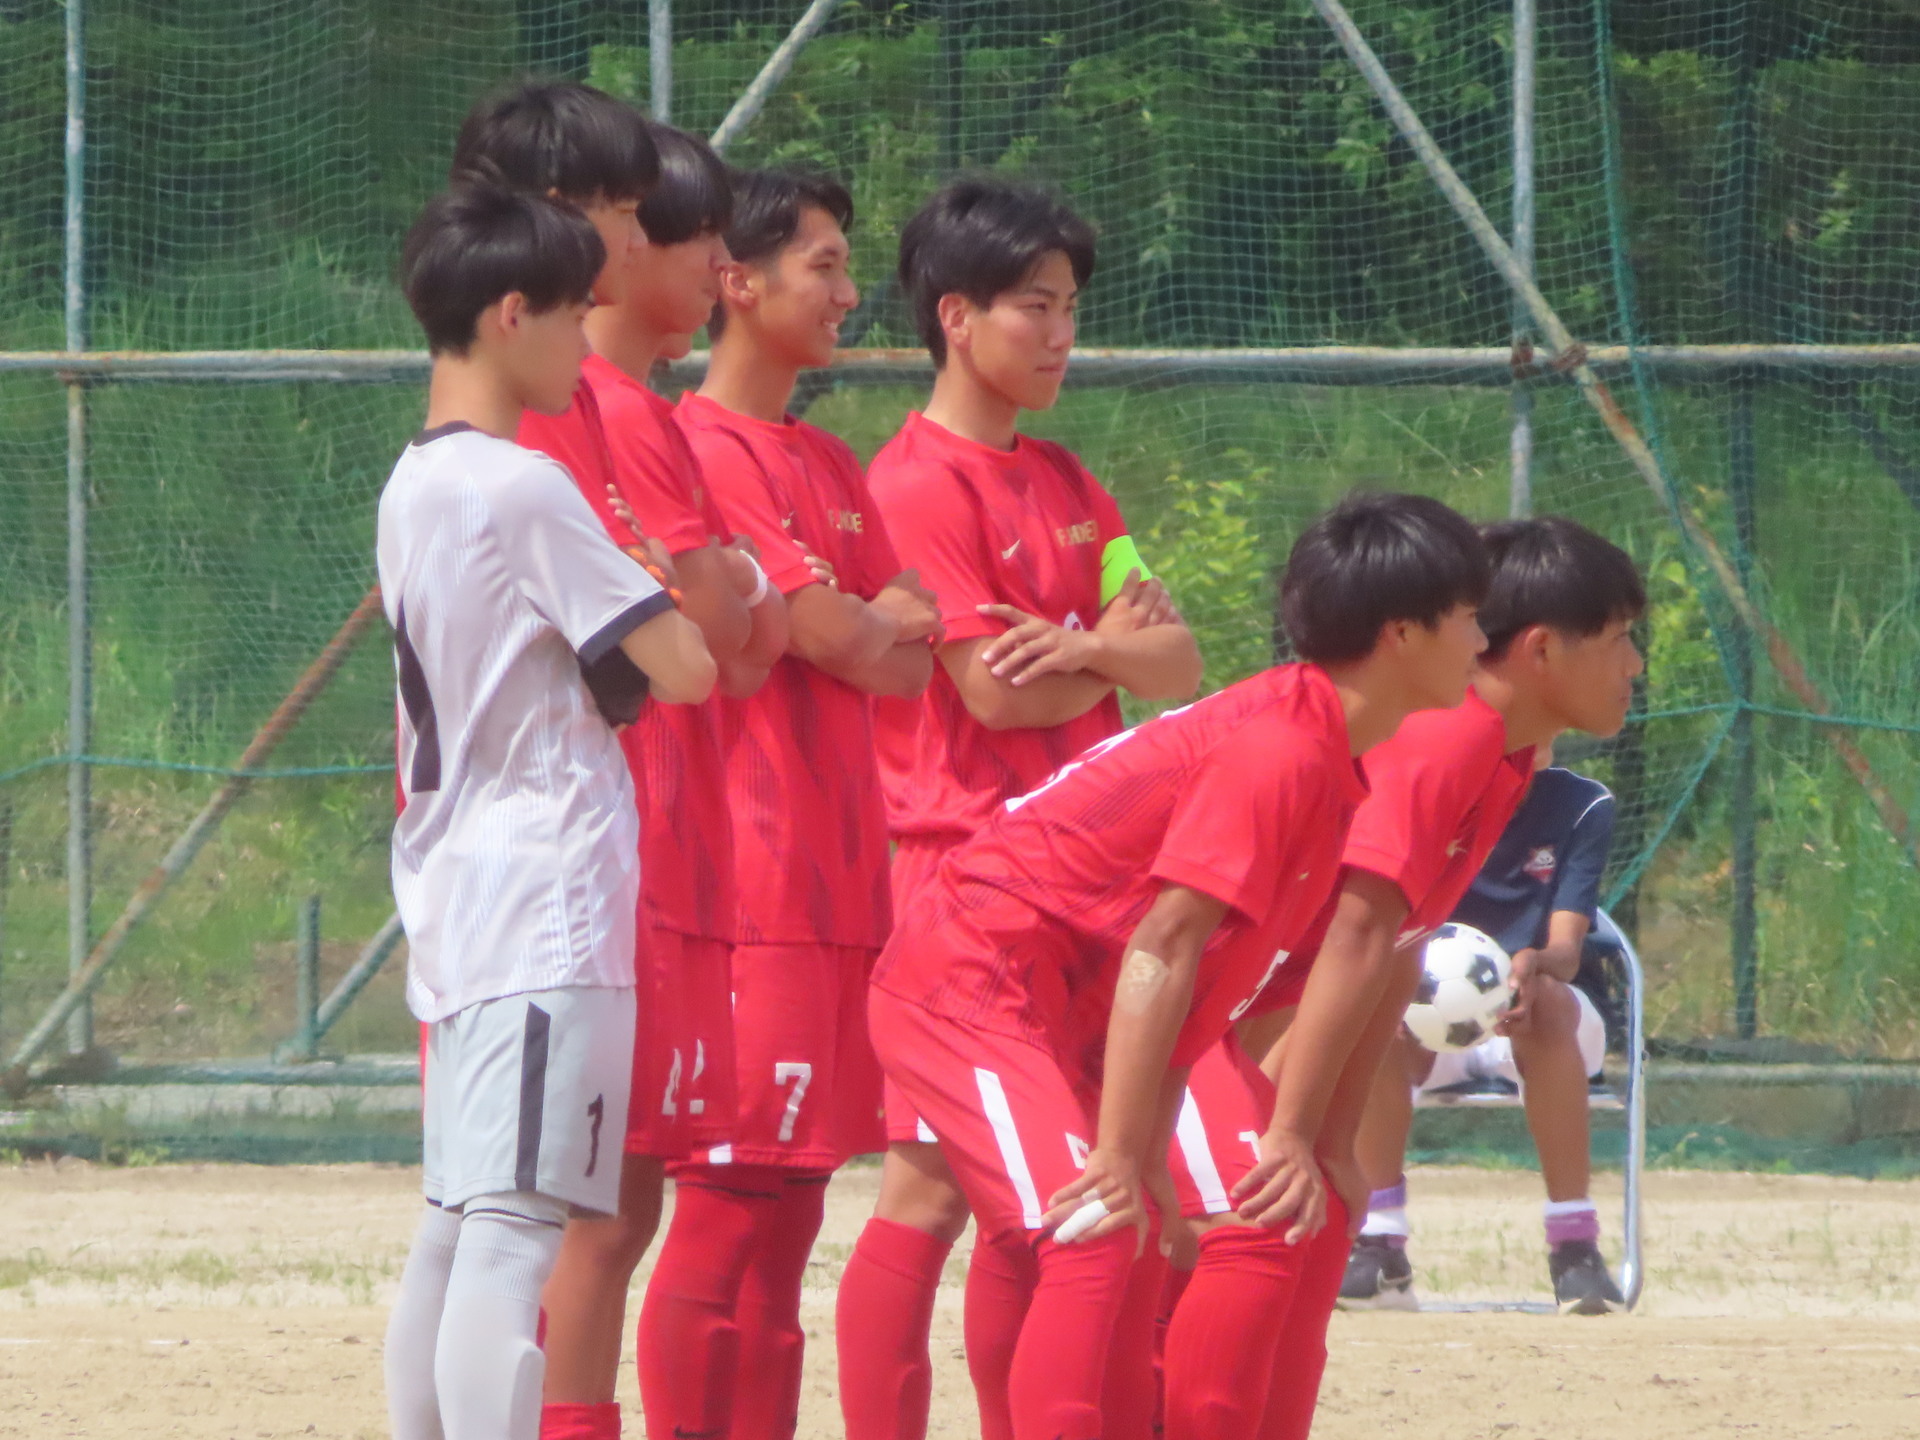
1195 877
622 625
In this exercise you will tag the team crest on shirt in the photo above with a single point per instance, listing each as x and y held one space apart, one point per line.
1541 862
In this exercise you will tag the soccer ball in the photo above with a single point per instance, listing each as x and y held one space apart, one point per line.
1465 983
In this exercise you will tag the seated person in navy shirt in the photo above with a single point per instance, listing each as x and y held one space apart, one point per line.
1538 895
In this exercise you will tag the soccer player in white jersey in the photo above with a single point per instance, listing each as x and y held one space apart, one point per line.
523 636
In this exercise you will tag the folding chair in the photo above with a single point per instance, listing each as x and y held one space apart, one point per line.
1606 943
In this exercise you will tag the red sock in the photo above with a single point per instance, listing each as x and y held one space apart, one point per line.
1301 1357
882 1320
1222 1342
688 1344
580 1422
766 1403
1171 1289
1000 1281
1060 1366
1130 1397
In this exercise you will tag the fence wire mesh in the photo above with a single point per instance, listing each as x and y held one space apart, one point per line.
1734 173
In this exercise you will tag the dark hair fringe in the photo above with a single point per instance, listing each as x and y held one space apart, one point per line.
557 137
476 243
694 195
1375 558
979 236
1553 571
768 204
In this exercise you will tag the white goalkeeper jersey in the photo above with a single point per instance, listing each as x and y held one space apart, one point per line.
516 856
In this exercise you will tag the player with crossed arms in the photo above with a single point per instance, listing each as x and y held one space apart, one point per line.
1048 616
1043 995
523 635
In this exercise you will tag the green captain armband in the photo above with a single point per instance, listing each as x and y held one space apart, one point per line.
1116 560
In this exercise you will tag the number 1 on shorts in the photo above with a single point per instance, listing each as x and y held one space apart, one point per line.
800 1074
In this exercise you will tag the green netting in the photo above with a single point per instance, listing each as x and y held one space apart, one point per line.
1708 175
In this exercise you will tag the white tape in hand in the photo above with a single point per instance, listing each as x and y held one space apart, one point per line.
1091 1212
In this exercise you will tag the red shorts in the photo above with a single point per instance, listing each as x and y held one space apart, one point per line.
808 1083
683 1075
1227 1107
1013 1124
914 861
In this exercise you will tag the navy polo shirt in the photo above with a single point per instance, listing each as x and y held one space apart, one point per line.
1550 857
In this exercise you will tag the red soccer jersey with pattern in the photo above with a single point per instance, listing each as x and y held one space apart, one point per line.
674 751
1441 792
1244 796
810 832
1022 527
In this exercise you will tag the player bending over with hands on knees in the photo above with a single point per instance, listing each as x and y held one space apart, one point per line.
523 635
1267 1117
1048 617
1044 993
720 1342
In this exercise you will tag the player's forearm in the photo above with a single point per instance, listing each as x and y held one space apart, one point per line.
1040 704
1161 662
902 671
839 633
767 633
1151 1004
1349 1100
669 651
1353 972
709 599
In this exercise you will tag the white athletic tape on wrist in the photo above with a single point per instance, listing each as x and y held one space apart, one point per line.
1091 1212
760 587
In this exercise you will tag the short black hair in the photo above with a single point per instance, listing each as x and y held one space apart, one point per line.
1375 558
557 137
1556 572
767 207
979 236
475 243
694 195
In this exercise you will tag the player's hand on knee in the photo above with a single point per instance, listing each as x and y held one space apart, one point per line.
1108 1196
1284 1188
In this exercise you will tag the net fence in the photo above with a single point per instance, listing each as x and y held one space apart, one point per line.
1708 175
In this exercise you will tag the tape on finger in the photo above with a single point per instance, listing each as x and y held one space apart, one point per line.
1091 1212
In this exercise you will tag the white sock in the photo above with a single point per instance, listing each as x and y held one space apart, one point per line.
413 1407
487 1365
1390 1221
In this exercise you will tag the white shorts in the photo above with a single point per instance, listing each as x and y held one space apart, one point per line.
1494 1058
529 1092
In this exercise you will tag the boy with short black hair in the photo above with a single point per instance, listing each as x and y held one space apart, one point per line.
522 637
1247 1343
1049 614
720 1338
1044 993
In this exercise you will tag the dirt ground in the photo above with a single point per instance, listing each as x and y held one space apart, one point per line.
247 1303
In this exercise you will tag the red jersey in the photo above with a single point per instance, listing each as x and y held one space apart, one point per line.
675 752
810 831
1244 796
1442 791
1023 527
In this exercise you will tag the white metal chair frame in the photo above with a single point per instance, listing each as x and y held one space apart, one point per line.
1631 1275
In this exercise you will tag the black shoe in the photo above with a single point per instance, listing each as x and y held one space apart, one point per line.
1581 1284
1379 1277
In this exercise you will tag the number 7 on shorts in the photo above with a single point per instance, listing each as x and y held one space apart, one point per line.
800 1074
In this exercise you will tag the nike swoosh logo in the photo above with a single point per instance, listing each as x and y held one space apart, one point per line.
1007 554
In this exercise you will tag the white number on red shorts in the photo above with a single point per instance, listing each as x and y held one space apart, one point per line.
1252 1137
799 1073
670 1098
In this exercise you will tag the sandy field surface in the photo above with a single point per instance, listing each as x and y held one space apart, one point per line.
247 1303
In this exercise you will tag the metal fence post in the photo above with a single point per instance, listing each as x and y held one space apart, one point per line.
306 981
79 625
1525 88
660 59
